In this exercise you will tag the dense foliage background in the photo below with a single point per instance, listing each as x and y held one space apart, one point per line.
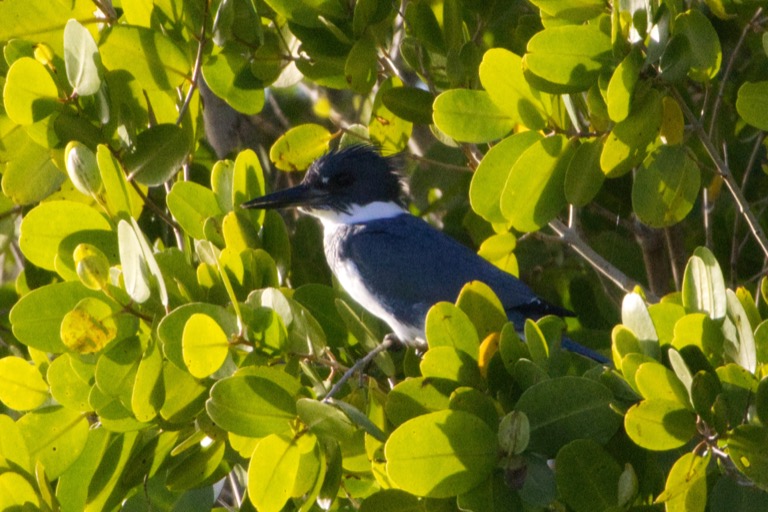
162 349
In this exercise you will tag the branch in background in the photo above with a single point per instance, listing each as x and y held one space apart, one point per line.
725 172
727 73
198 66
570 237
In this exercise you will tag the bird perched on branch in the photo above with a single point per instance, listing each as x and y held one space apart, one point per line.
393 263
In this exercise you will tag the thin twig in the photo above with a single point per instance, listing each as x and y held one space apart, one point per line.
727 71
600 264
152 206
736 248
725 173
359 365
198 67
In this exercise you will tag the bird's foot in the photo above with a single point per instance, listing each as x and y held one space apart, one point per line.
360 364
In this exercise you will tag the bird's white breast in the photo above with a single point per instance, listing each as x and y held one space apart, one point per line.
346 271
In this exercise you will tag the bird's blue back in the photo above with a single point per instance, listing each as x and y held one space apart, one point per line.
410 266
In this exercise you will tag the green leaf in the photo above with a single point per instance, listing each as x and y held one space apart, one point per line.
32 175
248 182
272 473
587 476
140 269
583 412
533 194
489 178
627 144
704 286
120 197
197 467
500 250
362 65
568 58
388 131
501 73
159 153
686 486
416 396
740 341
36 317
514 433
449 326
151 57
666 187
574 11
41 21
297 148
116 371
16 493
191 204
451 363
748 449
82 168
308 14
391 500
483 307
409 103
584 178
659 424
635 316
148 393
171 327
704 44
67 386
81 57
325 420
657 382
229 77
621 87
55 436
752 104
471 116
30 94
271 408
441 454
423 25
204 344
89 327
21 386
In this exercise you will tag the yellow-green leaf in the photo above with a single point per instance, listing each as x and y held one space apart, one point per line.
204 345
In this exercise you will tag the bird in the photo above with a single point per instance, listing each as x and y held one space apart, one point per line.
393 263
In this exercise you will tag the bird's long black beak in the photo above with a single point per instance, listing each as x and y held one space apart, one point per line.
300 195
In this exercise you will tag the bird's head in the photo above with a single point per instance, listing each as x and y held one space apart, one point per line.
349 185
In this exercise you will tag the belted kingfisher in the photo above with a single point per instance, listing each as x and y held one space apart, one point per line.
395 264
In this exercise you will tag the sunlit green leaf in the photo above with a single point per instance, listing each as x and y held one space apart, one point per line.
89 327
151 57
659 424
297 148
229 77
471 116
666 187
568 58
686 486
204 344
30 94
533 194
441 454
81 59
490 176
55 436
21 385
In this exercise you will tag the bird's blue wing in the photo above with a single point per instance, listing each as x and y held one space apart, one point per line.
405 260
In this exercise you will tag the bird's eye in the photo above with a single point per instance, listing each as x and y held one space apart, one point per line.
342 179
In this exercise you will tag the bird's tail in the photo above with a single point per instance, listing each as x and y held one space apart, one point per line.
577 348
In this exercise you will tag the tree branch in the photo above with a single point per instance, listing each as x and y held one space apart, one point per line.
724 171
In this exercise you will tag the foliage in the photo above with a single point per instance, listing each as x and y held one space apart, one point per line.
162 343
